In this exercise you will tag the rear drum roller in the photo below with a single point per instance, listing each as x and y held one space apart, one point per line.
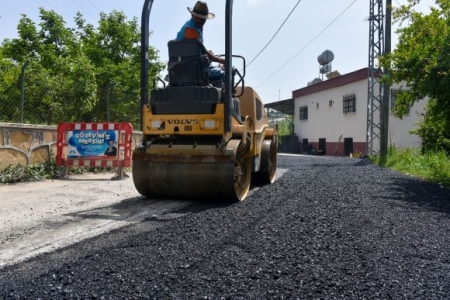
268 168
243 176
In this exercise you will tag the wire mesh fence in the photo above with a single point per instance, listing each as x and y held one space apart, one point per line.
37 104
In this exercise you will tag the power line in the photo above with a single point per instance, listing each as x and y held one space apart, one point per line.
55 9
309 43
89 1
85 8
274 34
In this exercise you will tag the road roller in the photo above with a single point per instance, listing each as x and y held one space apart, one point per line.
202 139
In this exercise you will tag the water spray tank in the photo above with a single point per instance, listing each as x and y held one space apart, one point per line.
325 58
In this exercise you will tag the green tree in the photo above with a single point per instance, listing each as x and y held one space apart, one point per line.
75 74
9 74
114 50
284 122
422 62
285 127
57 70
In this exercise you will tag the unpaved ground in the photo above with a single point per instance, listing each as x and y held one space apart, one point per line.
37 217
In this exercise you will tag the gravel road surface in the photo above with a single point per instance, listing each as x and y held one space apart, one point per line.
329 228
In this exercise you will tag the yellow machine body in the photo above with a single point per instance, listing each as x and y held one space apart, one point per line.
194 156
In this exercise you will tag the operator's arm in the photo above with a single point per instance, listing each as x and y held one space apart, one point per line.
191 34
215 58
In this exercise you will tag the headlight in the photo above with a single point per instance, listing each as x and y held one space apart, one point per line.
210 124
156 124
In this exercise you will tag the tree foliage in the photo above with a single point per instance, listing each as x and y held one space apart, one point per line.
72 72
285 127
422 62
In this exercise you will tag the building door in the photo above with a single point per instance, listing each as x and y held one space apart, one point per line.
348 146
305 146
323 146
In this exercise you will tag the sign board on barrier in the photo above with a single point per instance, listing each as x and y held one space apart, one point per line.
94 145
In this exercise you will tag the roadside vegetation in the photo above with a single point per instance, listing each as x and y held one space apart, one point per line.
420 63
21 173
37 172
430 166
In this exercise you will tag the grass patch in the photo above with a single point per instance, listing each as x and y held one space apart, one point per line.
433 167
37 172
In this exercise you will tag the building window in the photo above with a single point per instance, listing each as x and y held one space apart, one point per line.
304 113
349 103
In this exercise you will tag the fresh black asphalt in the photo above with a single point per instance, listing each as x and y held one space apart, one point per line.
329 228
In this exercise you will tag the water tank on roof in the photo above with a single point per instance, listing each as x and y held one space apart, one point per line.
325 69
326 57
314 81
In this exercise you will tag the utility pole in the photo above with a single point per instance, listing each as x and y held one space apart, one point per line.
375 91
384 140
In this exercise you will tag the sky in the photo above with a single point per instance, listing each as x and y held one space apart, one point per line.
288 63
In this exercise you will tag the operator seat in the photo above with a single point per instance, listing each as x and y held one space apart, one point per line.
188 63
189 90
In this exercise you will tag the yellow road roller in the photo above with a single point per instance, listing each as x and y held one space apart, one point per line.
201 139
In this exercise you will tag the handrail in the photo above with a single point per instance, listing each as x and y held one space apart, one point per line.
228 66
145 19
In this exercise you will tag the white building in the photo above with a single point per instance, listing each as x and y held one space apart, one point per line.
331 116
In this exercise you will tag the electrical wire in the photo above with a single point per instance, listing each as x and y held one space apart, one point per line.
264 48
56 9
89 1
84 8
309 43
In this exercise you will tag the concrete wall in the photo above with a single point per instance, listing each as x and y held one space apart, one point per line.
31 144
399 135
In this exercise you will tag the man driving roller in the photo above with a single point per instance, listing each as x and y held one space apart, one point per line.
193 29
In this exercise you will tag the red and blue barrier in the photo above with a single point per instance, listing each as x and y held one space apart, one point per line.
94 145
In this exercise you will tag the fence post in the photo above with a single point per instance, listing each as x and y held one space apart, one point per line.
108 94
22 90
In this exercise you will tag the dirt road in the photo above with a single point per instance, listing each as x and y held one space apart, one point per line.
39 217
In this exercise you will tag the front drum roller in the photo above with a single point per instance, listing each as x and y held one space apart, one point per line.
210 177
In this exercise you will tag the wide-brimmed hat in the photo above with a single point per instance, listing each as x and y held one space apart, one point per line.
201 10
